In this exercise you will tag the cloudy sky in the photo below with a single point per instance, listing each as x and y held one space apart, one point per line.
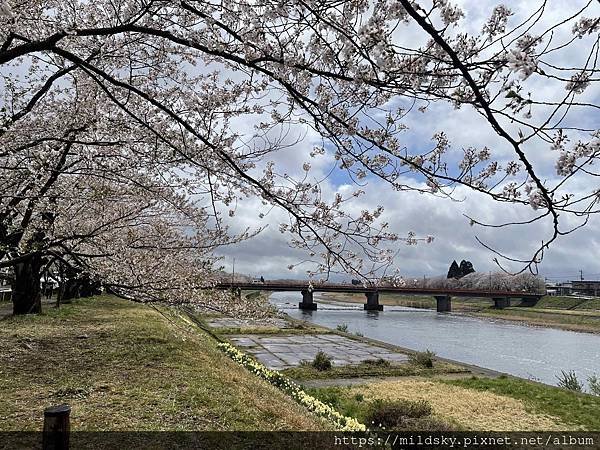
269 254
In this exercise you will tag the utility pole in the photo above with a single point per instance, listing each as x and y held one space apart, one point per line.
233 273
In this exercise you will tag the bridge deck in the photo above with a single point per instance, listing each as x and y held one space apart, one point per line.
349 288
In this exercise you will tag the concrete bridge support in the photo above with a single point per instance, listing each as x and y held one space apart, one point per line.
501 302
307 301
444 303
373 302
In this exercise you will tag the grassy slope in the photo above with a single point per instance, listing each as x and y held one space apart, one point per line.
578 410
590 304
124 366
553 302
567 319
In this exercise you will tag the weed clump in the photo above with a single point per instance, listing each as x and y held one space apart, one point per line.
594 383
322 361
343 327
423 359
568 380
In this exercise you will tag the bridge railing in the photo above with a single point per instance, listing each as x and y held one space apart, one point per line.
348 287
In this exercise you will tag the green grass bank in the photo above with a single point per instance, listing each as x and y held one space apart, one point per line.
127 366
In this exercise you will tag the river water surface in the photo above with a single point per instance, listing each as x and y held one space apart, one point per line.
529 352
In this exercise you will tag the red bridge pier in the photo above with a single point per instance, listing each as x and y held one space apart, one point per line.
307 301
373 302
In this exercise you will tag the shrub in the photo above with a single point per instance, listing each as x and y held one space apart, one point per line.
331 397
594 384
322 361
358 333
568 380
397 413
377 362
424 359
341 398
343 327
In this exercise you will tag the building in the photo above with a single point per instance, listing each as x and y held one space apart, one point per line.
559 288
586 287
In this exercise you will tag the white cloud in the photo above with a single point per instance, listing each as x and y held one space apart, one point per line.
269 254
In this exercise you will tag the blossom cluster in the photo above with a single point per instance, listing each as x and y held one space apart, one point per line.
5 9
500 281
343 423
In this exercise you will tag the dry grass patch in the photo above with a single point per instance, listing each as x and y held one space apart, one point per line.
470 409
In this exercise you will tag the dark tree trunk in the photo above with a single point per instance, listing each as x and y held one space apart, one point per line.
70 285
89 287
26 289
70 290
85 287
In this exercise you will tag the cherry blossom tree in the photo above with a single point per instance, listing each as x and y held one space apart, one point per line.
130 90
481 281
76 197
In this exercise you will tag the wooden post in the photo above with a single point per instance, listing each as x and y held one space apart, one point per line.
56 428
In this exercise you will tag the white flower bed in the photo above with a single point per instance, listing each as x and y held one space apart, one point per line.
343 423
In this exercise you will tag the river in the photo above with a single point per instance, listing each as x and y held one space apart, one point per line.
529 352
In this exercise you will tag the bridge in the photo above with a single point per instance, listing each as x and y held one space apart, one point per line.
443 296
